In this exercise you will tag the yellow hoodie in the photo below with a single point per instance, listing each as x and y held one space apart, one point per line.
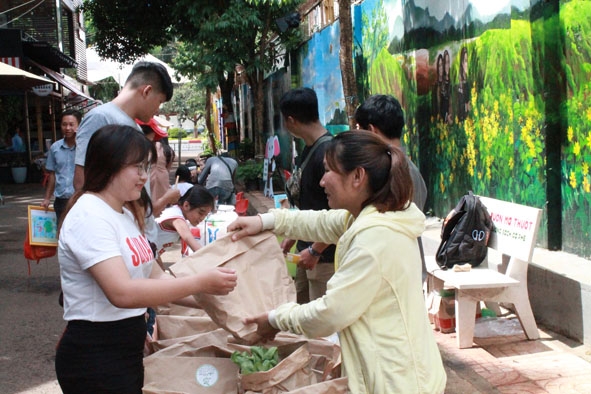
374 300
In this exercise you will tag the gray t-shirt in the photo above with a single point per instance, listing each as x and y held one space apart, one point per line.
216 173
103 115
420 189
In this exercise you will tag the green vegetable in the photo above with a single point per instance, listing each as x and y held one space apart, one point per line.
259 359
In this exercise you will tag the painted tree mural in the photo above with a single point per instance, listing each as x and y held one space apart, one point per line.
495 94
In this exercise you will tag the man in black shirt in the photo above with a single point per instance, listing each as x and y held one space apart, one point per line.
299 108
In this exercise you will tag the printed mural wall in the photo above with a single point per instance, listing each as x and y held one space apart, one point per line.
497 96
320 70
317 68
492 104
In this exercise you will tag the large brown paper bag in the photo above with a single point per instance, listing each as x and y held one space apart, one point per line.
185 350
292 372
263 280
170 326
325 353
178 310
335 386
190 375
175 346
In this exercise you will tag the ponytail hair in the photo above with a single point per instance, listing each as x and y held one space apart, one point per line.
386 167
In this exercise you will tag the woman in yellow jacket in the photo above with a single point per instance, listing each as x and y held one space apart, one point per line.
374 300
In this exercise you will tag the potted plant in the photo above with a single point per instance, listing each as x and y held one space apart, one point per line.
249 175
18 167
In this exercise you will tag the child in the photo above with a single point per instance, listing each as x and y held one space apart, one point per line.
183 174
193 207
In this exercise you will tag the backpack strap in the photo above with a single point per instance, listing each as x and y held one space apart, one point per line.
318 142
232 173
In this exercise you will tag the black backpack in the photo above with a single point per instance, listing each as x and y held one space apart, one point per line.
465 234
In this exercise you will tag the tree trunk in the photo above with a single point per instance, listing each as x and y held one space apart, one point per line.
259 93
259 106
346 60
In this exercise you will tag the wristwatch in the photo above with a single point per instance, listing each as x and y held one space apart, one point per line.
313 252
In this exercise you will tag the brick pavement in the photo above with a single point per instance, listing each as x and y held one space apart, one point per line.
508 364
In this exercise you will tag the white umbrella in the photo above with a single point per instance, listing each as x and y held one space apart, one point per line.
12 78
99 68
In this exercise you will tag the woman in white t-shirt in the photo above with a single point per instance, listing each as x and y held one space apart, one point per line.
107 269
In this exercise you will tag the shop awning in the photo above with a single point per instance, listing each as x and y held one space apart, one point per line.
12 78
59 78
41 51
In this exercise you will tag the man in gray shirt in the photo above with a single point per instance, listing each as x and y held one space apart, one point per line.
218 178
146 88
383 115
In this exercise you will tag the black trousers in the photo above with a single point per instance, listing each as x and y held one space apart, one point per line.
59 206
105 357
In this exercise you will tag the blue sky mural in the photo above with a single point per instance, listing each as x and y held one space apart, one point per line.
321 71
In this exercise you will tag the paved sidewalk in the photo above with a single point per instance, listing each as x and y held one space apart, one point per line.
502 359
31 324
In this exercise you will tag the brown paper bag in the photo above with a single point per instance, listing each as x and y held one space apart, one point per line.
178 310
190 375
263 280
218 351
292 372
170 326
177 346
335 386
326 355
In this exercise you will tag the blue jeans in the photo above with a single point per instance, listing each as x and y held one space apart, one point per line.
224 196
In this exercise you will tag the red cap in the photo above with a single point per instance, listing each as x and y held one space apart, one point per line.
158 132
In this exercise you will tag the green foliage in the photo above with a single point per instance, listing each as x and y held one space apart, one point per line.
90 31
374 39
259 359
246 149
249 171
207 150
498 51
499 149
375 36
105 90
188 102
576 149
174 132
126 30
390 75
215 38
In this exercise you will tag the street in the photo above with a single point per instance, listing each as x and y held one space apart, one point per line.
30 316
31 324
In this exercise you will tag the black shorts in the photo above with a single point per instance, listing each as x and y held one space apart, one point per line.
102 357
